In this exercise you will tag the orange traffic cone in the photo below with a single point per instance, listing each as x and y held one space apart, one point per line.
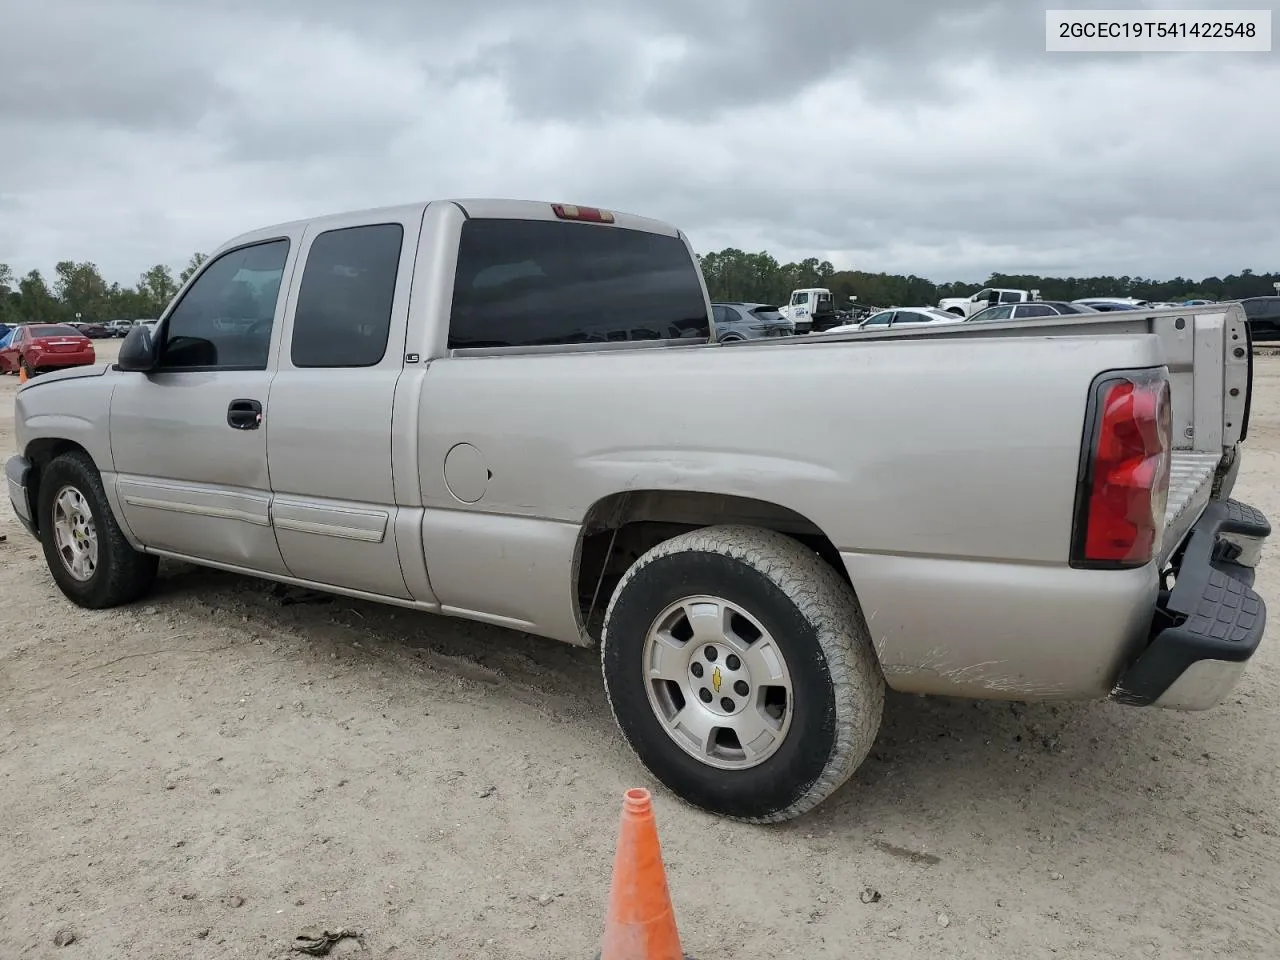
641 924
22 374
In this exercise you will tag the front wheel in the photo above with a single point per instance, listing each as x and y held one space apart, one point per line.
741 673
86 552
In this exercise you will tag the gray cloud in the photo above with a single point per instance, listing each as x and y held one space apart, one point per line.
921 136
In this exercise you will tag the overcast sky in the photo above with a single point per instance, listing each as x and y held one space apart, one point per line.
916 136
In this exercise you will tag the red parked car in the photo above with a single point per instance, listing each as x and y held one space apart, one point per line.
41 347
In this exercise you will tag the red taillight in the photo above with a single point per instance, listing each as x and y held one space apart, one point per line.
567 211
1125 482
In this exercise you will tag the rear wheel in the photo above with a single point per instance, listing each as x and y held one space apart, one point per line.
24 369
740 670
84 548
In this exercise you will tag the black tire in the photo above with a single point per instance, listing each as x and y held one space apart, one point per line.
122 574
816 623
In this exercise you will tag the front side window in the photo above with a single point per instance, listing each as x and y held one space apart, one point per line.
224 319
343 317
522 283
981 295
879 319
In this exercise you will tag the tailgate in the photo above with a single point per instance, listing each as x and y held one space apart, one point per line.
1210 360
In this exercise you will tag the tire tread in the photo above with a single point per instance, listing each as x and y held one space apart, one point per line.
129 574
831 606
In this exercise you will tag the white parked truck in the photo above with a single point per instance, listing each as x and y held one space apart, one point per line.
812 309
986 297
518 413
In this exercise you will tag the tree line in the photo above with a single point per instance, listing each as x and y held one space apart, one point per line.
731 274
736 275
79 288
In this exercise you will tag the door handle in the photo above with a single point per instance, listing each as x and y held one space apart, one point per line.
244 414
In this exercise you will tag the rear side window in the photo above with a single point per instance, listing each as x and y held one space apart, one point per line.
724 315
1037 310
1263 307
522 283
1010 296
343 315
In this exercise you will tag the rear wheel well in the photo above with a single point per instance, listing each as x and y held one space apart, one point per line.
620 528
41 453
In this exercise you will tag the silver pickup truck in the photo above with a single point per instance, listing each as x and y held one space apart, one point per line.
518 413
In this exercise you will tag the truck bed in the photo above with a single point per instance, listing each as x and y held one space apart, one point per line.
1208 353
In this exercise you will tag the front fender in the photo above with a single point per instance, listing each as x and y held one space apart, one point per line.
69 405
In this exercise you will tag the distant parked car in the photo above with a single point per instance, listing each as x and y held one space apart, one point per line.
1109 304
41 347
94 331
1263 314
1034 308
899 317
120 328
908 317
750 321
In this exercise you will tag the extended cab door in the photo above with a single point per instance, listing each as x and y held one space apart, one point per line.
330 431
187 440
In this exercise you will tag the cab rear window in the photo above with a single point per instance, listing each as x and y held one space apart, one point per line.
526 283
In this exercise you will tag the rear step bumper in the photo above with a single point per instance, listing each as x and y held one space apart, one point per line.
1211 622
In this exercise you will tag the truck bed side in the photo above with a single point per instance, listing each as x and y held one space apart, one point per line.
943 473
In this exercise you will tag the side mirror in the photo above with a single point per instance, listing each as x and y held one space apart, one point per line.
138 352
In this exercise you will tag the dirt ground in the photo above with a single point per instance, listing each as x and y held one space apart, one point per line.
210 772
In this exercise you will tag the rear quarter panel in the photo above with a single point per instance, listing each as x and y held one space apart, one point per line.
929 465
